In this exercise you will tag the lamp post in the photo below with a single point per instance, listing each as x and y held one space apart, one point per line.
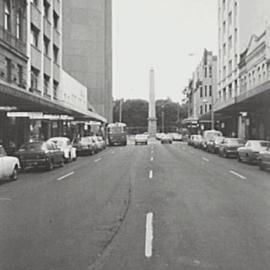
120 110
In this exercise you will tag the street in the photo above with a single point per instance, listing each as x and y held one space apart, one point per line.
138 207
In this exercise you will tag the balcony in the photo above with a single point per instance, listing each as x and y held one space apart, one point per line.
56 38
12 41
47 28
35 57
56 6
35 16
47 65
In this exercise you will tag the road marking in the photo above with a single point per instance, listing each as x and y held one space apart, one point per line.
238 174
65 176
149 235
112 152
97 160
151 174
152 159
205 159
5 199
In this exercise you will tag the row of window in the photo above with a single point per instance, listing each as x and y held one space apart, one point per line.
207 91
207 108
8 19
208 71
228 92
254 77
35 75
9 72
34 40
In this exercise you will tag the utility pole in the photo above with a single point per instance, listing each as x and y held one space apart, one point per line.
162 117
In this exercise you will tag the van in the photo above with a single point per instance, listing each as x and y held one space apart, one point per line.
209 135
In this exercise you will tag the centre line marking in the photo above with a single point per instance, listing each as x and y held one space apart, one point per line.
149 235
205 159
65 176
97 160
151 174
238 174
112 152
152 159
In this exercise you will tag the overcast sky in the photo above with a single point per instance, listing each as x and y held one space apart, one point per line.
160 34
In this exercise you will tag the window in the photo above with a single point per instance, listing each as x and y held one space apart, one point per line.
9 69
224 27
210 107
46 85
224 49
34 36
230 42
20 74
34 78
46 9
201 92
55 54
19 25
205 108
205 91
46 46
210 72
55 89
201 109
7 17
55 20
230 66
230 18
210 90
205 72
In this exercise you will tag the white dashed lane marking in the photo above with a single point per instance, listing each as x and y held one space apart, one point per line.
97 160
151 174
149 237
205 159
65 176
238 175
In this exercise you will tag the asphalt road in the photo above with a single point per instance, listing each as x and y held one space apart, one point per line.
138 207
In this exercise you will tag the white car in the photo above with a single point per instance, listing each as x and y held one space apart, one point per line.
9 166
141 139
65 145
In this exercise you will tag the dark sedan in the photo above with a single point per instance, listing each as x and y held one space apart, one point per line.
229 146
85 145
40 155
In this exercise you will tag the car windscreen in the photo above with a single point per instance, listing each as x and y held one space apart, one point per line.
115 130
264 144
58 142
35 146
2 151
236 142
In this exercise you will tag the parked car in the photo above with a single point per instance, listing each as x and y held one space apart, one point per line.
141 139
84 145
250 152
213 144
65 145
40 154
177 137
264 158
197 141
102 142
190 140
209 135
9 166
96 143
228 147
159 135
166 138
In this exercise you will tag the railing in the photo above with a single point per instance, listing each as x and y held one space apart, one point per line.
12 41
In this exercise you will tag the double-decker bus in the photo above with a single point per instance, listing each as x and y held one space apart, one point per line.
117 134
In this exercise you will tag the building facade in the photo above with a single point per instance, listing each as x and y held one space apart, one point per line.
238 21
201 92
44 47
87 51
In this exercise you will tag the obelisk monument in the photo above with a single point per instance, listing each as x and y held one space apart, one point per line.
152 120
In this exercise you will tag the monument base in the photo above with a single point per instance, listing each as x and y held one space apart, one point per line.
152 127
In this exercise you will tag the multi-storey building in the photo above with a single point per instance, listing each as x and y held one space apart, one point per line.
13 65
238 21
44 47
201 91
87 49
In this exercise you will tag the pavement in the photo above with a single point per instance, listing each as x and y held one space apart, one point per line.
149 206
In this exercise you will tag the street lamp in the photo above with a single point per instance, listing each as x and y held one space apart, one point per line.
120 110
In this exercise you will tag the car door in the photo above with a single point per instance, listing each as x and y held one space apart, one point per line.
4 170
50 151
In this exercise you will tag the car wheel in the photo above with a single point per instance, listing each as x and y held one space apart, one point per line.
75 158
239 158
50 165
14 175
261 166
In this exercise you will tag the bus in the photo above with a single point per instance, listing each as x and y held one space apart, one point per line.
117 134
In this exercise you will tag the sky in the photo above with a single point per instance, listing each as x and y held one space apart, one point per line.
166 35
